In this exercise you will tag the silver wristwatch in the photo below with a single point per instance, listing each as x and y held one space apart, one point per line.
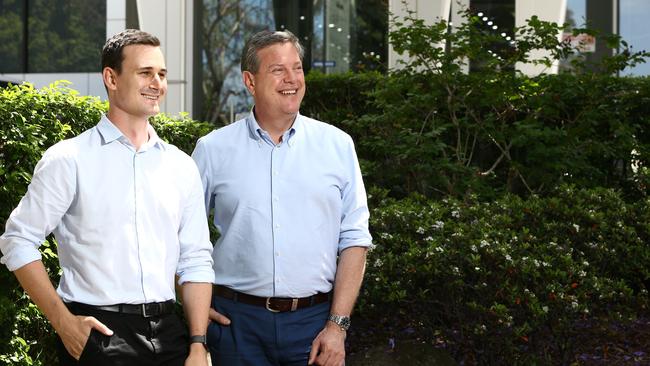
340 320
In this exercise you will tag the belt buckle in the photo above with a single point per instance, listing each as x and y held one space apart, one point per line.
154 307
268 306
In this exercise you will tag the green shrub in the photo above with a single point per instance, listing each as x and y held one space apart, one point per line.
506 282
181 131
431 128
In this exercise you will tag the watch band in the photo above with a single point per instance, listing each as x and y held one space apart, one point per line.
199 339
342 321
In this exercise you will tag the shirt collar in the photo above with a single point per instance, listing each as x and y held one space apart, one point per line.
110 133
256 132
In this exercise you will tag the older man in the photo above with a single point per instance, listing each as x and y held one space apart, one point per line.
290 205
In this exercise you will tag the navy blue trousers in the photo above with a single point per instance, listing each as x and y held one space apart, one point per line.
258 337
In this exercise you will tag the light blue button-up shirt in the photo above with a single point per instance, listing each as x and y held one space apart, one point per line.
126 221
284 211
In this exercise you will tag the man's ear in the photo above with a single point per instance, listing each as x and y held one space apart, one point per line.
249 81
110 78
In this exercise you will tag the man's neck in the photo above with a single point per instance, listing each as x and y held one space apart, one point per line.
275 127
134 129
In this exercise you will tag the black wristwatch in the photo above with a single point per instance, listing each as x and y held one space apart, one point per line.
199 339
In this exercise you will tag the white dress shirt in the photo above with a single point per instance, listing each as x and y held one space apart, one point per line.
284 210
125 221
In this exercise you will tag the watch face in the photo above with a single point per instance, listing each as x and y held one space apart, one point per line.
341 321
345 322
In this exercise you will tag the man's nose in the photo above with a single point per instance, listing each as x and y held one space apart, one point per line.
156 82
290 76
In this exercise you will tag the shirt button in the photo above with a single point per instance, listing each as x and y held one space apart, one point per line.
275 199
277 226
275 172
277 254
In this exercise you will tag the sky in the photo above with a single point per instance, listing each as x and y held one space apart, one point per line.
634 18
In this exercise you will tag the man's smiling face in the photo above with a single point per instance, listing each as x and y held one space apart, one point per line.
142 83
278 86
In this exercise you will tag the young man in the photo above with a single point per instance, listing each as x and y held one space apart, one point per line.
127 212
288 199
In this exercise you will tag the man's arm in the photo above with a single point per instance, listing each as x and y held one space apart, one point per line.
196 302
73 330
202 159
329 348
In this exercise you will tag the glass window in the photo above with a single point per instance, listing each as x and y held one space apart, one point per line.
576 17
338 36
12 40
60 36
66 35
633 25
498 16
576 13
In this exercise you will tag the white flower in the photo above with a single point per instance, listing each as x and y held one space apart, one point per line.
577 227
545 309
438 225
420 230
455 214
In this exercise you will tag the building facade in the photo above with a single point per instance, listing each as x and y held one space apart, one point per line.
42 41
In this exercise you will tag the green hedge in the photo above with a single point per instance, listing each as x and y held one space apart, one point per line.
416 134
506 282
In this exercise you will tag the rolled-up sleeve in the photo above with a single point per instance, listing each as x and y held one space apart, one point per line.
195 263
48 197
355 214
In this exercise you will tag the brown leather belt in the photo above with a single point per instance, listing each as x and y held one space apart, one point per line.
273 304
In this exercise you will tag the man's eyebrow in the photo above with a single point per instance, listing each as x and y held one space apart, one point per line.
149 68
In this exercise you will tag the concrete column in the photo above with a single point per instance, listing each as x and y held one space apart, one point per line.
172 22
431 11
548 10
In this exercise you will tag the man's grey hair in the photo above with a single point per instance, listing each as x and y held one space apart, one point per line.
249 60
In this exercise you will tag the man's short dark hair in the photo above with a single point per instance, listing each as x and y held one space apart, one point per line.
249 60
112 55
